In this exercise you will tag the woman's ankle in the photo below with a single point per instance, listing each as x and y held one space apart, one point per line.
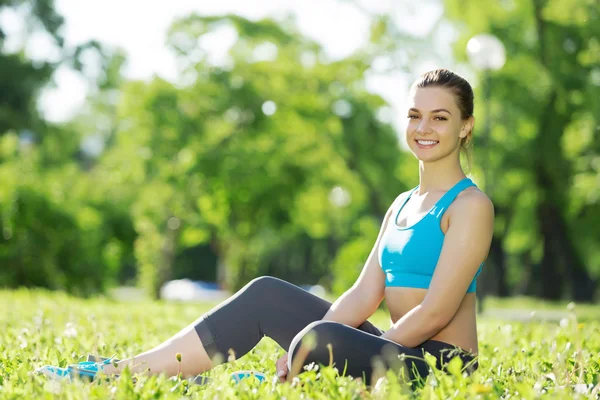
109 369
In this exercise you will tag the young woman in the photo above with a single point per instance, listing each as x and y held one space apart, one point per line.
425 261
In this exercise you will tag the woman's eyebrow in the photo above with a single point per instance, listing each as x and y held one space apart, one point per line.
433 111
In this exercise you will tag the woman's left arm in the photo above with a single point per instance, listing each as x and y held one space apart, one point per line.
466 246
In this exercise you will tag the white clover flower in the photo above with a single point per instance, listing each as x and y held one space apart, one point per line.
70 330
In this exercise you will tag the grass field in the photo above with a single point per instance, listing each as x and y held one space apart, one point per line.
527 357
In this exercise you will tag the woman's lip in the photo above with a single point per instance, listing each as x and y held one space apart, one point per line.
426 146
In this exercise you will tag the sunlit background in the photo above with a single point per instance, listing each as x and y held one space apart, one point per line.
192 146
341 27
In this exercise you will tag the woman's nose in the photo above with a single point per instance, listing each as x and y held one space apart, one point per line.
423 127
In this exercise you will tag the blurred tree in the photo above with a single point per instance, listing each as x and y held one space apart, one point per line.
276 160
275 157
21 78
57 228
51 234
545 140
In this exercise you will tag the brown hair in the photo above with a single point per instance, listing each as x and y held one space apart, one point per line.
463 94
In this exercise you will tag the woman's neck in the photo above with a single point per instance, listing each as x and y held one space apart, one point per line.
439 176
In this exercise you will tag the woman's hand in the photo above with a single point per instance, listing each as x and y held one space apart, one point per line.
282 368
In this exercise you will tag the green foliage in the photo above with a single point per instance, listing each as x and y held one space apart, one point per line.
533 359
544 140
349 258
43 244
274 161
57 230
248 157
21 79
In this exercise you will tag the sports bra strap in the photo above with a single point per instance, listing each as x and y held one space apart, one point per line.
403 202
442 205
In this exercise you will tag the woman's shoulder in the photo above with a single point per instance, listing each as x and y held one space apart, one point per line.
472 202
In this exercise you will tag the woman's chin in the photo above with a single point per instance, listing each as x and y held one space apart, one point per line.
425 156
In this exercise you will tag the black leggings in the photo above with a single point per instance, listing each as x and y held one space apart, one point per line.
288 314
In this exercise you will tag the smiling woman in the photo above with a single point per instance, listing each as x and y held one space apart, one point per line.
441 104
434 248
425 262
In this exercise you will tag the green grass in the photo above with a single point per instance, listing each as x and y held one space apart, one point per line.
528 358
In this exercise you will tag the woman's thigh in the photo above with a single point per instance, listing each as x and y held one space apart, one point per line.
354 351
266 306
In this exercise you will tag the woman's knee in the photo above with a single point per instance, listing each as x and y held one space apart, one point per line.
321 329
314 338
264 287
264 284
262 295
324 329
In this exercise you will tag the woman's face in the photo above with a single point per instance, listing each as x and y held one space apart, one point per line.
435 125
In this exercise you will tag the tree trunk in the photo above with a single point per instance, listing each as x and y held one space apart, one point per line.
492 281
559 251
167 256
583 287
498 257
550 276
493 276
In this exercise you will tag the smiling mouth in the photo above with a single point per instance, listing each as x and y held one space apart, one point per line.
426 143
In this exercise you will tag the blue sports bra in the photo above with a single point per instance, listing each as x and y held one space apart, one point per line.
409 255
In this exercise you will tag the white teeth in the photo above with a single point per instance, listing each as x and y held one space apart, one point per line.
426 142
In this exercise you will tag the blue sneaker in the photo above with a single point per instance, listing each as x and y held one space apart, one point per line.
235 376
85 370
239 375
54 373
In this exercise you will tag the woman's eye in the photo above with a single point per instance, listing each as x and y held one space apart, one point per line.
439 118
412 116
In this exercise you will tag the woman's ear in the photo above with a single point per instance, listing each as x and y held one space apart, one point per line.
467 127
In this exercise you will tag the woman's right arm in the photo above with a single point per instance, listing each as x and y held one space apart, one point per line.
359 302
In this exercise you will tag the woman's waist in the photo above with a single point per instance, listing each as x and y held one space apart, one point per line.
461 336
401 300
461 331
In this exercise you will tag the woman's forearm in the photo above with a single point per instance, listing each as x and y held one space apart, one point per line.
414 328
353 307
